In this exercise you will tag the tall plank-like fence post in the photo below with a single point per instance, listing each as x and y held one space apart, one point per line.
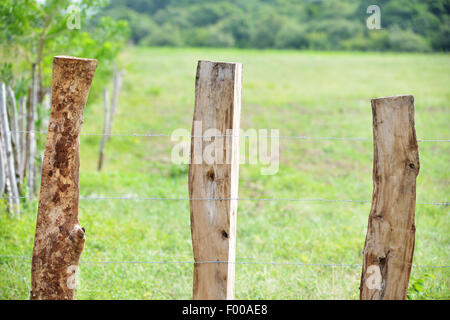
389 247
11 183
213 222
59 239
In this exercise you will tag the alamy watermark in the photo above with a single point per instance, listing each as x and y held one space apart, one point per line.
373 22
73 281
212 146
373 282
73 17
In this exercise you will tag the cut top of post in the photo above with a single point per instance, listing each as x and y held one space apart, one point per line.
389 126
73 58
69 94
220 70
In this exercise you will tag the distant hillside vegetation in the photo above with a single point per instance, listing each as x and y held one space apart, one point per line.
407 25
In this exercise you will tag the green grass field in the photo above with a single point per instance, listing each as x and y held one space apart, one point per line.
300 93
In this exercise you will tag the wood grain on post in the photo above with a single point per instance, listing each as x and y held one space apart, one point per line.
59 238
389 247
213 222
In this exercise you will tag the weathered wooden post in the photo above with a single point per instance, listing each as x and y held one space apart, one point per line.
31 136
59 238
117 84
15 135
213 174
105 129
2 164
389 247
23 144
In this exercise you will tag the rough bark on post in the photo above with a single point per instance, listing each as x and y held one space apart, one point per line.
59 239
389 247
213 222
14 203
105 130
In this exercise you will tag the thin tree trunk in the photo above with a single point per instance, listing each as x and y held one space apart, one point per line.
59 239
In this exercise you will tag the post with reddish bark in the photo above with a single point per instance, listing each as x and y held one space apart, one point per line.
59 239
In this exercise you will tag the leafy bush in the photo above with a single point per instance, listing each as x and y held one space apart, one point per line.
400 40
167 36
141 25
291 35
209 37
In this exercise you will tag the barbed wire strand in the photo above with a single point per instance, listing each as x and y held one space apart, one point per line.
227 262
224 199
224 135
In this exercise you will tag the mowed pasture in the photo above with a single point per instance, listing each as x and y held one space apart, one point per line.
301 94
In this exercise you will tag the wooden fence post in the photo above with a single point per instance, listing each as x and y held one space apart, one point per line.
117 84
23 136
31 136
213 222
2 166
389 247
105 129
13 203
15 134
59 238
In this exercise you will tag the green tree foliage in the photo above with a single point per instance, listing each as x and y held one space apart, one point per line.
407 25
32 32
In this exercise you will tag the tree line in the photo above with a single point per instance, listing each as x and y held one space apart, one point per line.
406 25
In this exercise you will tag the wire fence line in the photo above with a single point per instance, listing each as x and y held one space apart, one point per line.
88 198
293 263
224 135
